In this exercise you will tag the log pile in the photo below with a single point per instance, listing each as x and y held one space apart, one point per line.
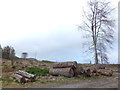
67 69
92 71
79 70
87 72
23 77
105 72
71 69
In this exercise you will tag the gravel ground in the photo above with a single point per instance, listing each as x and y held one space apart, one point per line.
100 83
110 82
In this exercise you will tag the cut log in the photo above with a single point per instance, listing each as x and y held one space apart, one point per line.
26 75
27 80
105 72
90 70
87 72
93 69
65 65
96 74
67 72
78 71
102 67
19 78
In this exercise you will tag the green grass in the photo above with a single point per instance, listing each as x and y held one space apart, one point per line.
38 71
7 80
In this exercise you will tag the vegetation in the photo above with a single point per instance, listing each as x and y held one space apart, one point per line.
7 80
98 25
8 52
47 61
38 71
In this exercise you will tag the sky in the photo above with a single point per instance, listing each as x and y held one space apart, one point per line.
47 29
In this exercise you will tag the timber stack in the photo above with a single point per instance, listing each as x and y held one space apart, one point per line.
105 72
23 77
93 71
71 69
67 69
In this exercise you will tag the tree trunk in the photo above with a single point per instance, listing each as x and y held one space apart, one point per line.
67 72
96 55
65 65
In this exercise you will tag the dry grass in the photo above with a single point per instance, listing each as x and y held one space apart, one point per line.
9 82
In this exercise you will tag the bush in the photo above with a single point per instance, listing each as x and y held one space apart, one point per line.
47 61
38 71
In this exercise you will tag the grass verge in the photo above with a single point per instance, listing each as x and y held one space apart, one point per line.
38 71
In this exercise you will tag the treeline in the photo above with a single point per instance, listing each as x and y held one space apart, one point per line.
8 52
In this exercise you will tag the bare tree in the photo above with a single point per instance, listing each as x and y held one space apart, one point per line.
99 26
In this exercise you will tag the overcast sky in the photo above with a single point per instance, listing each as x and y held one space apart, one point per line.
47 29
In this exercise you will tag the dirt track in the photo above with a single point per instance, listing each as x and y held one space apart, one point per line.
110 82
100 83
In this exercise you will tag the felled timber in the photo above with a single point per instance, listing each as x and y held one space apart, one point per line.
102 66
105 72
86 72
93 69
67 72
19 78
78 71
65 65
27 80
31 77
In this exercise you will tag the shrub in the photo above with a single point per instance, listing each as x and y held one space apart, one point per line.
38 71
47 61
